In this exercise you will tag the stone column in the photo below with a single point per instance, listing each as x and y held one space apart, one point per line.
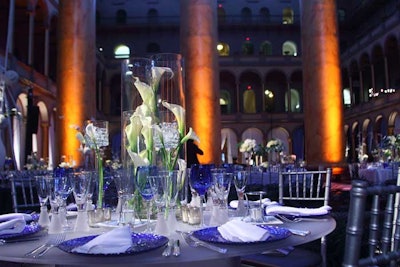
198 46
76 73
323 103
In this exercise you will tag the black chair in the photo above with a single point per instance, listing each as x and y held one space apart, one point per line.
310 188
373 232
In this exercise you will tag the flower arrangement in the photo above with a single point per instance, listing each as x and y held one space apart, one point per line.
92 139
248 146
275 145
165 138
391 147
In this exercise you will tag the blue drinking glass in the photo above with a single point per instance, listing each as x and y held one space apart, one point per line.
200 180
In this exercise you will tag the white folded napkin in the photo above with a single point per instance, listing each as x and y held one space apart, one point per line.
115 241
265 202
10 216
13 226
239 231
284 210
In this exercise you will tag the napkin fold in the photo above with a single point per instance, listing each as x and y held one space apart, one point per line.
13 226
285 210
239 231
115 241
265 202
10 216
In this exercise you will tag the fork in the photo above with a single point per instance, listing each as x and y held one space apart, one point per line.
53 241
194 242
297 219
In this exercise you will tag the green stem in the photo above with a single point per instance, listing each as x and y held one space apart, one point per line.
101 179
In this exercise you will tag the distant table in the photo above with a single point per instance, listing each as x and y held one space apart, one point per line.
189 256
377 175
264 178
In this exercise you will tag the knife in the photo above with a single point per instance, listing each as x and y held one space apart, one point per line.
9 241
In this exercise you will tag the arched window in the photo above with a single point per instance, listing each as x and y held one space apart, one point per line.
246 14
289 48
265 15
346 97
121 16
122 51
287 16
249 101
266 48
221 14
294 101
248 47
152 15
225 102
269 99
223 49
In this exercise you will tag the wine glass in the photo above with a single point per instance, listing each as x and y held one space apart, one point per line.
124 188
43 191
240 180
142 181
81 183
55 225
200 180
63 188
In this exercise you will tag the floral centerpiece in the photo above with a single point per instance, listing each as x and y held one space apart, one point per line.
164 138
275 145
391 147
247 147
93 139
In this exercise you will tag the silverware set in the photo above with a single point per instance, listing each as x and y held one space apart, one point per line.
53 241
195 242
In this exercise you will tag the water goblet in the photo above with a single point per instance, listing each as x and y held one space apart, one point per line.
240 180
142 182
55 200
124 188
200 180
63 187
42 188
81 183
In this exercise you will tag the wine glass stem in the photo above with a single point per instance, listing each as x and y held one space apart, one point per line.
202 211
148 216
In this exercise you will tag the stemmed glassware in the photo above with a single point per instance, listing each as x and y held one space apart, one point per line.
142 182
240 180
81 184
43 191
219 192
55 225
124 187
63 188
200 180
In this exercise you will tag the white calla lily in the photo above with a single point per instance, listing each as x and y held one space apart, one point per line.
157 73
179 113
146 93
138 160
132 132
190 135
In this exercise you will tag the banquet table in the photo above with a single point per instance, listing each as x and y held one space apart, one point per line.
14 252
378 175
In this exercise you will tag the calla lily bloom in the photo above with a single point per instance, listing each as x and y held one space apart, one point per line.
190 135
138 160
146 93
157 73
179 113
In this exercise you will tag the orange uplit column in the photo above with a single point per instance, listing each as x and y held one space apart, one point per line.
323 103
76 73
198 45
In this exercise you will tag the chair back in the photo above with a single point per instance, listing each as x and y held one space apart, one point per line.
373 232
305 185
23 192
